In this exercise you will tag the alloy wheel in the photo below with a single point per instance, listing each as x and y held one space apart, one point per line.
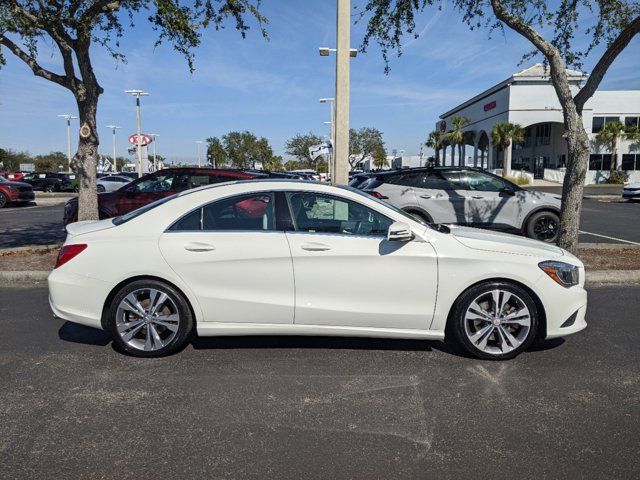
545 228
147 319
497 322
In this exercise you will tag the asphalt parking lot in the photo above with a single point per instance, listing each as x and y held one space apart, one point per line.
605 222
256 407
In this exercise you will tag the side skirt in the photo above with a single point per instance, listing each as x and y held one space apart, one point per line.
207 329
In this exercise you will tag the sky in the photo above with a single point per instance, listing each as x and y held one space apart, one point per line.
271 88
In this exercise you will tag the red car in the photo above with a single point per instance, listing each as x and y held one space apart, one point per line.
14 192
154 186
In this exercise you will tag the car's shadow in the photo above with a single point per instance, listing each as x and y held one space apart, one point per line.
72 332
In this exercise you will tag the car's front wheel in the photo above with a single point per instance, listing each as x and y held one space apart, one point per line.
543 226
3 200
495 320
149 318
100 188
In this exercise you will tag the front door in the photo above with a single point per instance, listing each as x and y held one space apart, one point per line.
348 274
234 260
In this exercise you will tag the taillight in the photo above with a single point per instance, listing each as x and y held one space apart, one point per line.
67 252
377 195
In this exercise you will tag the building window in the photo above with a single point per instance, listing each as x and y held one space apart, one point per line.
527 137
630 161
596 126
599 161
543 134
630 122
561 162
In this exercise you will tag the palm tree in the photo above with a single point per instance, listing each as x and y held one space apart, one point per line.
503 134
435 141
456 136
611 133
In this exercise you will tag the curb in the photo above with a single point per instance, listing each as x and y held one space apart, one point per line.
24 276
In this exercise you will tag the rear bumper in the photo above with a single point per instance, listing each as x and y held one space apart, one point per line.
77 298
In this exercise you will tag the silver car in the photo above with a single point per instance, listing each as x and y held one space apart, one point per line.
111 183
466 196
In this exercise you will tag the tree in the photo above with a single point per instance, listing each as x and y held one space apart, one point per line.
503 134
245 150
216 154
435 141
363 143
610 134
273 164
10 160
51 162
291 165
78 28
457 136
298 147
565 33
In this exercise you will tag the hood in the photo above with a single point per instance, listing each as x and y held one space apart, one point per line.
502 242
88 226
16 183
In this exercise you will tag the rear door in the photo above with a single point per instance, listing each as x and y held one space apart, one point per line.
234 259
442 198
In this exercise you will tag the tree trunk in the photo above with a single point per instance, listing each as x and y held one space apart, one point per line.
612 163
578 148
437 155
85 161
506 167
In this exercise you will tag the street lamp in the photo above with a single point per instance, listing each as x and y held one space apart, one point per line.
198 143
155 161
138 94
341 118
113 131
68 117
330 165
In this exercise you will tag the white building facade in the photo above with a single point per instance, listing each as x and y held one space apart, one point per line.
529 99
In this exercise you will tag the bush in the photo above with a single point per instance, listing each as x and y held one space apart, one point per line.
617 178
518 180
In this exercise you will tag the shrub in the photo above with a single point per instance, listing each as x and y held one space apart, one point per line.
518 180
617 178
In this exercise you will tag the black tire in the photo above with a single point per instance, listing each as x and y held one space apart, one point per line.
543 226
179 303
457 321
3 200
48 188
100 188
419 216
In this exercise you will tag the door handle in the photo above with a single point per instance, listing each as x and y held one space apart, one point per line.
199 247
477 197
425 196
315 247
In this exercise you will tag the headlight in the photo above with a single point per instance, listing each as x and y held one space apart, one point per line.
562 273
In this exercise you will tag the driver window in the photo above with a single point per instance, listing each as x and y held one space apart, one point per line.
155 183
481 182
318 213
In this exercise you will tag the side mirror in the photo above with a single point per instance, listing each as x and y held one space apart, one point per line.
399 232
508 189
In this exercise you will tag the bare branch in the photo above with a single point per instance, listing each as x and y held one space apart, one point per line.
33 64
612 52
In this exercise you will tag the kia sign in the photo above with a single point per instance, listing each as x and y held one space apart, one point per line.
144 139
489 106
443 126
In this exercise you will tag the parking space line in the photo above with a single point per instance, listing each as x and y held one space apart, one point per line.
610 238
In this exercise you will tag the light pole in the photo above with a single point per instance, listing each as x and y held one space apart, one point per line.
198 143
155 160
113 131
68 117
330 165
138 94
341 121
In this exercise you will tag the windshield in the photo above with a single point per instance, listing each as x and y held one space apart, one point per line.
136 213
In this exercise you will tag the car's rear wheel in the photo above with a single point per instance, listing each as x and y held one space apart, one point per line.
495 320
48 188
544 226
100 188
148 318
3 200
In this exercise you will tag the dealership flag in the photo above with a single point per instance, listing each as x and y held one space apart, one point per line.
317 150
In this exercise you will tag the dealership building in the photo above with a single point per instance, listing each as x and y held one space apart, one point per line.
529 99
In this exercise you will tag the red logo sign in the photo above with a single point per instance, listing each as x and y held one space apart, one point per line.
443 126
490 106
144 139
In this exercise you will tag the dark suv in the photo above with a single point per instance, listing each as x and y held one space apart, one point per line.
154 186
49 181
466 196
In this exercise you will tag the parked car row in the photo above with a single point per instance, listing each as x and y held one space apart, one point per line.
14 192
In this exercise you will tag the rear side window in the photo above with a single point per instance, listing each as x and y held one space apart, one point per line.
433 180
243 212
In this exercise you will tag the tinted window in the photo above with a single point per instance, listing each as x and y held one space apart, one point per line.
453 178
597 124
433 180
318 213
481 181
246 212
404 179
190 222
195 180
155 183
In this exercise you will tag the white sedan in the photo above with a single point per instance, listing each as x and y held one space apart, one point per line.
271 257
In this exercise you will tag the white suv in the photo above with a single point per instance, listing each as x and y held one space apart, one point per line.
466 196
